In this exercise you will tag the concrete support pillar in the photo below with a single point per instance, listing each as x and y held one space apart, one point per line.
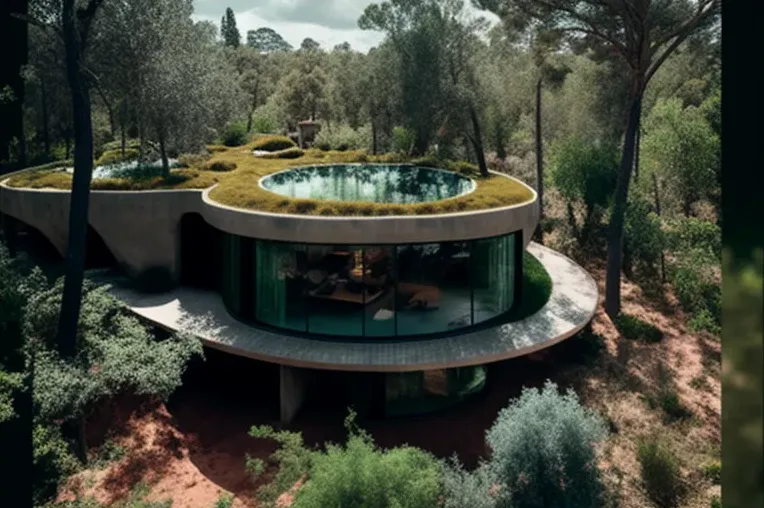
292 384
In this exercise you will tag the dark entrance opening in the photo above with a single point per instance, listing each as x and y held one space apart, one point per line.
200 253
97 253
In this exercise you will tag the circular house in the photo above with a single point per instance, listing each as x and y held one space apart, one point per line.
414 274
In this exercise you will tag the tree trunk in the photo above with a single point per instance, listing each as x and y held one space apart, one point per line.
615 229
45 120
656 195
477 142
501 152
252 110
373 136
636 154
163 153
123 126
68 143
80 195
538 234
12 113
81 448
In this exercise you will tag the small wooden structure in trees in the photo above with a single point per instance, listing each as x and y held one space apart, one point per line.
306 132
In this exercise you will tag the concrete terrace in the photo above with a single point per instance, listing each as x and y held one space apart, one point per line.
570 308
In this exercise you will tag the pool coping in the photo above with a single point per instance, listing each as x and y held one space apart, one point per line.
571 306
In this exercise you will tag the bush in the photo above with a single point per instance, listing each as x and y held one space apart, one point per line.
465 489
689 234
644 237
429 161
52 462
114 156
235 134
660 474
220 166
713 472
357 474
216 148
224 501
403 140
343 138
192 160
542 448
289 153
117 145
273 143
716 502
698 290
633 328
464 168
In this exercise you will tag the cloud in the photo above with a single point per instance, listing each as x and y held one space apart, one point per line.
329 22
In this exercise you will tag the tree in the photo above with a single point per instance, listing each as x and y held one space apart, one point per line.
542 450
682 149
644 34
267 40
228 31
309 44
11 83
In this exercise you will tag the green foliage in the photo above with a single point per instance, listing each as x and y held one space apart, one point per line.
430 161
357 474
136 499
114 156
660 473
667 398
289 153
117 354
228 31
292 457
633 328
235 134
716 502
344 137
10 383
542 449
403 140
224 501
584 172
108 452
267 40
689 235
644 237
220 166
273 143
468 489
117 145
713 471
52 461
680 146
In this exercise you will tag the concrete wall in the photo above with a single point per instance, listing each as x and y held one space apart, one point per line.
292 384
142 229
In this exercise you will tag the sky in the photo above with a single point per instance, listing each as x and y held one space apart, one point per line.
329 22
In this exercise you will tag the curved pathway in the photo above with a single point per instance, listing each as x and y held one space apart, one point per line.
570 308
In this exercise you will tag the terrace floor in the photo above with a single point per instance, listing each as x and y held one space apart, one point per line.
570 308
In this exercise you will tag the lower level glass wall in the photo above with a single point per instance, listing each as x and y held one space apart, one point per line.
371 291
410 393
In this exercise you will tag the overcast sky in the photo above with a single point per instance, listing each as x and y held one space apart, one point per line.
329 22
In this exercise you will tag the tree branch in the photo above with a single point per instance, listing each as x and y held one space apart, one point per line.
36 22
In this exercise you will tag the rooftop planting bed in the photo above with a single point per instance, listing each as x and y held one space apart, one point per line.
237 172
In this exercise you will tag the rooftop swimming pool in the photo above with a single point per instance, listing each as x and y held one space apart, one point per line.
378 183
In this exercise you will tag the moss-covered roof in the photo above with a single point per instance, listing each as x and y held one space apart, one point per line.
239 188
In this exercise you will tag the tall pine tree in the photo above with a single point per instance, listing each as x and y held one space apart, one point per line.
228 31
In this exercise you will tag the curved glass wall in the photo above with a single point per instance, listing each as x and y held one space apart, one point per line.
371 291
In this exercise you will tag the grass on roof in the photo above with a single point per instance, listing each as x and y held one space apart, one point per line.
239 188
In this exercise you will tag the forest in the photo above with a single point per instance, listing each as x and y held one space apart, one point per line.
611 111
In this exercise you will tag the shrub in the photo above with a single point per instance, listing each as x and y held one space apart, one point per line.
645 240
465 489
713 471
429 161
403 140
114 156
216 148
698 290
52 462
289 153
273 143
343 138
542 448
660 473
633 328
464 168
117 145
224 501
716 502
689 234
220 166
192 160
235 134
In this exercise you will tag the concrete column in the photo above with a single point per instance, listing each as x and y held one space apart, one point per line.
292 391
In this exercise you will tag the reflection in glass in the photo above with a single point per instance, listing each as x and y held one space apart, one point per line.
378 279
492 277
336 295
418 296
366 182
279 285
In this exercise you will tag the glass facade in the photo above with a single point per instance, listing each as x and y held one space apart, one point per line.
371 291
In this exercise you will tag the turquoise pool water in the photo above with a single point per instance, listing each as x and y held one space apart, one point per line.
378 183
